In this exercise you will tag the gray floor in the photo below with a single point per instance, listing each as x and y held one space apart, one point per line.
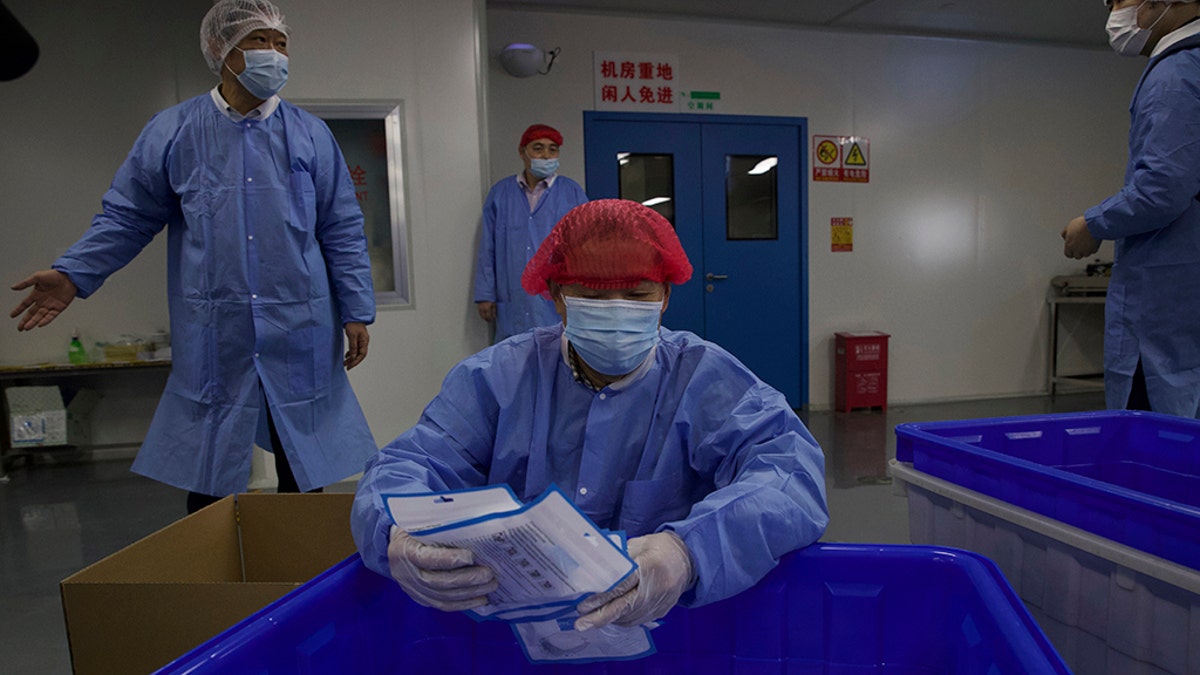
57 518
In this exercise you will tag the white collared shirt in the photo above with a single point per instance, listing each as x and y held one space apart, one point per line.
1185 31
262 112
533 194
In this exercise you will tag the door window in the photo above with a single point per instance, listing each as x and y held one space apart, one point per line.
750 197
649 180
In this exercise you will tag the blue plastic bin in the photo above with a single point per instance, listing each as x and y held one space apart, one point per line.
827 609
1132 477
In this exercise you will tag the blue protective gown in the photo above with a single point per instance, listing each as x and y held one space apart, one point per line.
266 260
511 235
698 445
1153 305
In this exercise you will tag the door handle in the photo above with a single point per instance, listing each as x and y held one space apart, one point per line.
715 277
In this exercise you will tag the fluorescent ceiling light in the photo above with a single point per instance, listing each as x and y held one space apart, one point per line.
654 201
764 166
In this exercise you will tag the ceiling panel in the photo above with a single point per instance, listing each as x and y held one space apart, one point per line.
1065 22
1070 22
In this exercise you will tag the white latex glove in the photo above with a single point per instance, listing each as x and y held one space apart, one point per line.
664 572
438 576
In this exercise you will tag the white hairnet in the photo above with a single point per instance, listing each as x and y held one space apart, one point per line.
231 20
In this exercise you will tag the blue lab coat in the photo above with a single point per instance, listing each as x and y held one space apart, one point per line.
266 260
697 445
1153 305
511 235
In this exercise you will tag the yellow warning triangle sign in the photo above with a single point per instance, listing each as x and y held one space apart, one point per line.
855 156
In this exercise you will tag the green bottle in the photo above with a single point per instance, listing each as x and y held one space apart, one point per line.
76 354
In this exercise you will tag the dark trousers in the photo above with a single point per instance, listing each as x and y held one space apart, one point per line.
1139 398
287 480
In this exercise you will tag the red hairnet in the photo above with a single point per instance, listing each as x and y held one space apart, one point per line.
540 131
608 243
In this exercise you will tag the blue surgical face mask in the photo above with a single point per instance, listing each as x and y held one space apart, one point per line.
266 72
543 168
612 336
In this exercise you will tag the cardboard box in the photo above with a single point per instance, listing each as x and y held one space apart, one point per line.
79 419
38 418
151 602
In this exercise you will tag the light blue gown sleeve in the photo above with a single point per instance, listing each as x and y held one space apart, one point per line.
339 232
1163 178
449 449
485 265
579 196
136 207
769 501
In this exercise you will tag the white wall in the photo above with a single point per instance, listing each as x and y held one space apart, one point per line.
70 122
68 125
424 53
980 154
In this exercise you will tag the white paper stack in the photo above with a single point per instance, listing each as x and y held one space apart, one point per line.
547 557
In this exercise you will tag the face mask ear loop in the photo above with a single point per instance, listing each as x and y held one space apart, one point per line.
1166 9
226 65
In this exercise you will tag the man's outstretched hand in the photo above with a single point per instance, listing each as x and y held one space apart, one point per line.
52 292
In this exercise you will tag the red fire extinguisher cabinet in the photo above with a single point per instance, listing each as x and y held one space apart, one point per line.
860 370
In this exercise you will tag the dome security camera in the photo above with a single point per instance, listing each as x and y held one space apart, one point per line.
525 60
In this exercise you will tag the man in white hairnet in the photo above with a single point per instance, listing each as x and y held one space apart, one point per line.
1152 313
267 266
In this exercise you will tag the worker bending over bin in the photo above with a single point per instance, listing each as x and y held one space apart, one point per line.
652 431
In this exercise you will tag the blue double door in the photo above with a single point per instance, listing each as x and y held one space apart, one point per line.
734 188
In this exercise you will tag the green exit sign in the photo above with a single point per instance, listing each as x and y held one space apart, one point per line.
702 101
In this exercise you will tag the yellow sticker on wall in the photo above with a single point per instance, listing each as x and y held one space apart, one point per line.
841 234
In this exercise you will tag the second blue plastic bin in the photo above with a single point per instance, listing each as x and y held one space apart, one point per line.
1132 477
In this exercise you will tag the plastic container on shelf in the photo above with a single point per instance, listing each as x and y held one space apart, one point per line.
158 346
124 348
1091 516
827 608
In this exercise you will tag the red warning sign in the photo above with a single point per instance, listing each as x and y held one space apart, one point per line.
841 159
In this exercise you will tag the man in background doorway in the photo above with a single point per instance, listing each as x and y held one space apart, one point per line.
266 267
519 212
1152 313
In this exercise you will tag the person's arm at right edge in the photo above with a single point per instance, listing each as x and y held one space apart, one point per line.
1165 177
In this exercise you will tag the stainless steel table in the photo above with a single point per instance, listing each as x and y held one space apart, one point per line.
1073 290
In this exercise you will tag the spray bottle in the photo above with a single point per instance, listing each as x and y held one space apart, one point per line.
76 354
